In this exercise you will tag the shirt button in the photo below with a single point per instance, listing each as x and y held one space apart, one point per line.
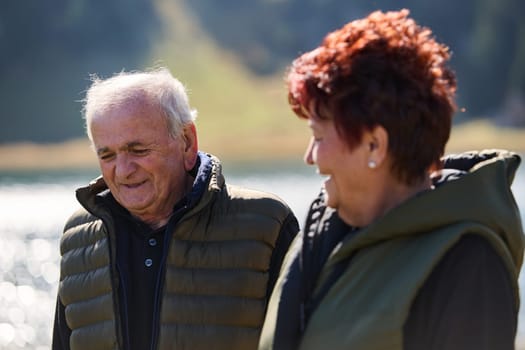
148 262
152 242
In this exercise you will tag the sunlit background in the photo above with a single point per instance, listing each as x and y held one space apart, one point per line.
232 56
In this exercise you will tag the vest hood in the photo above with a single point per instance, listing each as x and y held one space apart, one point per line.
473 187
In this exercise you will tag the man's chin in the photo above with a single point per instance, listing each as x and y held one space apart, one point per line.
133 204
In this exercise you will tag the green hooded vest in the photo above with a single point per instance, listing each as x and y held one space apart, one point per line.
366 308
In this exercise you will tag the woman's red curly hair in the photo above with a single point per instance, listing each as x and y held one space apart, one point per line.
381 70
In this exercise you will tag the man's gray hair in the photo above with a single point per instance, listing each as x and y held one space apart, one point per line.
157 87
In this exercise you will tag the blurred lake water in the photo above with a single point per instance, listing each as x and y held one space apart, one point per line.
34 207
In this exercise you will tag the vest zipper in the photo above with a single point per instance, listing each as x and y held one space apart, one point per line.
124 306
116 281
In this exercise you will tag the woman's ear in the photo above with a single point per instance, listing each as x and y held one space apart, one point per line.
191 146
377 139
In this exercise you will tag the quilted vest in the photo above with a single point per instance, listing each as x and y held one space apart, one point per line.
215 278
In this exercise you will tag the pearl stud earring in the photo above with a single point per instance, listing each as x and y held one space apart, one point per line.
372 164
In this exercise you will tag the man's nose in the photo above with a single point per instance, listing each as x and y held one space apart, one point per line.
125 166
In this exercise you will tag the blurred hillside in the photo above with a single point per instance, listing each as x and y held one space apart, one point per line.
231 55
485 37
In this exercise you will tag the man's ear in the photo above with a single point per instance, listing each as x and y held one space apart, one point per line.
191 146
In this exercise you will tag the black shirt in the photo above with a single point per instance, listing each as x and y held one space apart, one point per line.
140 251
466 303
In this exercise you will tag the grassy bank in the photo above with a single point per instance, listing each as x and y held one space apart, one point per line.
250 145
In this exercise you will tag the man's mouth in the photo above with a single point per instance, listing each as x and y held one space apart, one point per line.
134 185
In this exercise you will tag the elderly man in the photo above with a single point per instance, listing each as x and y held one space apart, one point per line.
163 254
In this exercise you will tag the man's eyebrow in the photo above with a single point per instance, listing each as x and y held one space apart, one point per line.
102 150
127 146
134 144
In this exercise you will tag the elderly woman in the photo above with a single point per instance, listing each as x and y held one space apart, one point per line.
403 249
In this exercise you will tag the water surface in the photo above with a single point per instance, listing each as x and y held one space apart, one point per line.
35 206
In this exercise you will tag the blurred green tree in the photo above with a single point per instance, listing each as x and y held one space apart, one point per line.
485 36
49 48
494 60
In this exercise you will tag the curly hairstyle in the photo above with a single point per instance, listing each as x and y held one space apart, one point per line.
381 70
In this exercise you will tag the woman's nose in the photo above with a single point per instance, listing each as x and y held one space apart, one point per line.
308 157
